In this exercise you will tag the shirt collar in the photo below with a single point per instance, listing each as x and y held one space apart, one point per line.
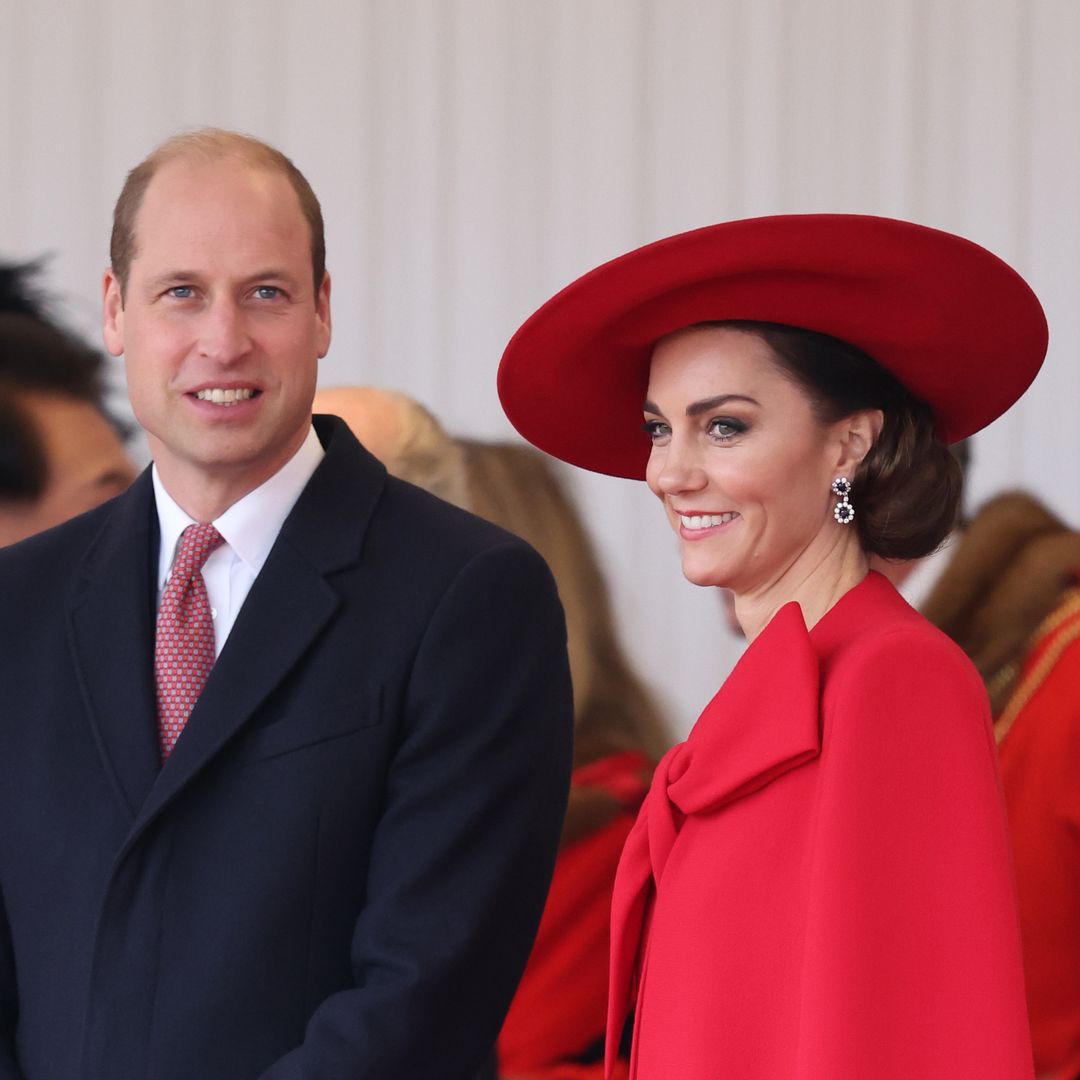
251 525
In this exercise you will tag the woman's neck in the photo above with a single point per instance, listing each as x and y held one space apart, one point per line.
815 581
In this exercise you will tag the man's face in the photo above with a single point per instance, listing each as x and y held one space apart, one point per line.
220 327
86 465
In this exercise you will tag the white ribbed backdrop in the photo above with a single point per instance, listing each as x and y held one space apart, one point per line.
473 156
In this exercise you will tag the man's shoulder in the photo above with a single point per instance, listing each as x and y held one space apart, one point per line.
352 494
422 534
435 519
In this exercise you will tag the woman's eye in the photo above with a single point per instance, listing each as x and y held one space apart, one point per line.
656 429
725 427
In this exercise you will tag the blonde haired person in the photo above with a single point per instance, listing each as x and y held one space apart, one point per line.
555 1026
402 434
554 1030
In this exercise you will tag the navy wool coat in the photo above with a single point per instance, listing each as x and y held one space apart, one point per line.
339 871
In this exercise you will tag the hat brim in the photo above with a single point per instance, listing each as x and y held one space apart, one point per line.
952 322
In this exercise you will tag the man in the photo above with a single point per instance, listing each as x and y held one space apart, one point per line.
333 863
60 454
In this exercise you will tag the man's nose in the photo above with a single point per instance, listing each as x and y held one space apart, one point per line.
223 333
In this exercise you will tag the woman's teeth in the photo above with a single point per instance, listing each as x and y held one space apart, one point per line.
224 397
706 521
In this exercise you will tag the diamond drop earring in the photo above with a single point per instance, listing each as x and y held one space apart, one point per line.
843 511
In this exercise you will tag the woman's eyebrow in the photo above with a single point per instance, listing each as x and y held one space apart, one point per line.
696 408
707 404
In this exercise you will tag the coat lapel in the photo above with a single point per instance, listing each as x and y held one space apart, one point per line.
289 604
763 721
111 633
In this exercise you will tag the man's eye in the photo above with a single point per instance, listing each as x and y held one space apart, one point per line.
267 292
182 292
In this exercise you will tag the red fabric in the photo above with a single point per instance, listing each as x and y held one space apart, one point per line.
835 899
184 640
959 328
559 1008
1039 758
1070 1072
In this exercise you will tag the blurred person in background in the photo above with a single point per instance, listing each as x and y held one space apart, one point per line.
403 435
1010 597
555 1028
60 451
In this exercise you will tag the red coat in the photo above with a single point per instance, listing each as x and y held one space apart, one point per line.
818 886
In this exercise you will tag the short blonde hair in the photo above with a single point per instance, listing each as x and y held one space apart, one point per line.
399 431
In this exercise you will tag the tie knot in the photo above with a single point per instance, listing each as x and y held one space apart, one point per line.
196 544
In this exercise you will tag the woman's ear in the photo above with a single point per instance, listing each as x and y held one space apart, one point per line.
856 434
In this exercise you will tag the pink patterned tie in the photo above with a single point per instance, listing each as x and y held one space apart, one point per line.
184 643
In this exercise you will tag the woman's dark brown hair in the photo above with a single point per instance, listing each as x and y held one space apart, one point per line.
906 491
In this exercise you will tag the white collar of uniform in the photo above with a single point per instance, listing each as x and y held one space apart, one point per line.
251 525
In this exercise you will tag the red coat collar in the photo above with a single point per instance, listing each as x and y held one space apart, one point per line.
762 722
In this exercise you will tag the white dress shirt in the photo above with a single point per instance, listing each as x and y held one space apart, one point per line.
250 526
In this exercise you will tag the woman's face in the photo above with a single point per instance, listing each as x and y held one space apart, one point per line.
739 460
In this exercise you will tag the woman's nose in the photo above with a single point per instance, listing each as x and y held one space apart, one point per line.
679 469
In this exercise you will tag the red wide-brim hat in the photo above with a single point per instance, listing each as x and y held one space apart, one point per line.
956 325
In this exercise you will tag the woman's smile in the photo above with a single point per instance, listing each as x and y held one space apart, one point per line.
697 525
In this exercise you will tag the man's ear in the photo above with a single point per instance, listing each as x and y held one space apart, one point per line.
322 311
112 313
857 433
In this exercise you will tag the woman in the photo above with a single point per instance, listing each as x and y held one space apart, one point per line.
555 1028
818 886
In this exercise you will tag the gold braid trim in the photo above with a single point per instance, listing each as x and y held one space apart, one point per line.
1068 609
997 686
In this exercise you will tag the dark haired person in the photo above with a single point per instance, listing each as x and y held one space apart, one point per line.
60 454
285 742
819 882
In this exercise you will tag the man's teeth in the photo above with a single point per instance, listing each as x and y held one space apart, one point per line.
706 521
224 397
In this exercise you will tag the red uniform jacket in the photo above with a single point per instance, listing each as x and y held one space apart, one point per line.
557 1014
819 886
1039 753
